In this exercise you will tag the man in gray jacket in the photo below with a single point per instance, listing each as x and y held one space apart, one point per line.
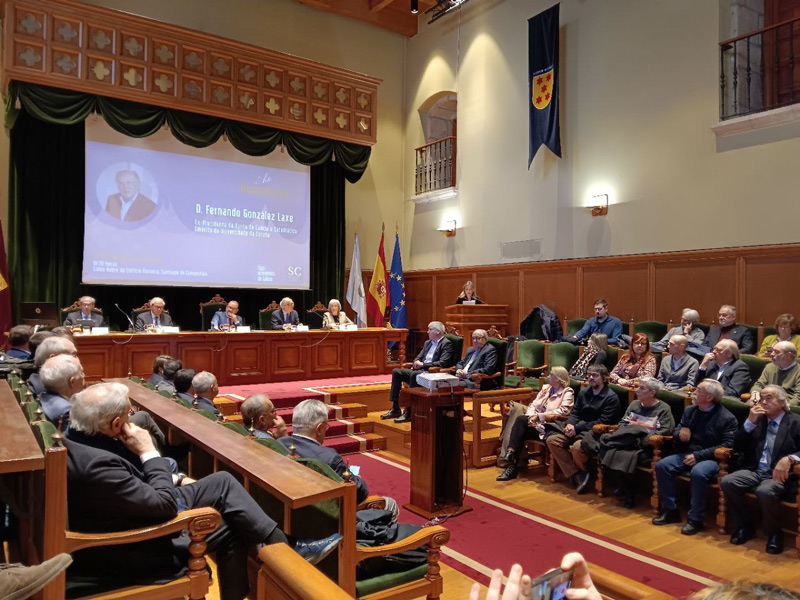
678 369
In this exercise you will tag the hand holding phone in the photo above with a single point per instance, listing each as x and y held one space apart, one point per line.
553 585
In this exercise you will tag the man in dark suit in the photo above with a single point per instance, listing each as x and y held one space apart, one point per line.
770 442
309 424
62 377
728 329
183 385
206 389
155 317
85 313
723 364
481 358
227 318
118 481
19 338
158 369
128 204
286 316
437 352
261 418
171 368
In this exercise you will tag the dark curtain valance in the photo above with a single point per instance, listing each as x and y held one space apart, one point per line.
67 107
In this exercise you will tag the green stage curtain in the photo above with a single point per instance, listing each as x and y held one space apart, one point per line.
46 200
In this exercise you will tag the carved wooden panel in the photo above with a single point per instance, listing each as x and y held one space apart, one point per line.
200 356
98 50
139 357
421 311
328 357
245 358
98 360
501 284
288 358
365 354
557 288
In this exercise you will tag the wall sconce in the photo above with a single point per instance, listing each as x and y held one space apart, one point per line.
449 228
414 7
601 207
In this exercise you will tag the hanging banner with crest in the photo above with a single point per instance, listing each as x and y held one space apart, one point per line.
543 83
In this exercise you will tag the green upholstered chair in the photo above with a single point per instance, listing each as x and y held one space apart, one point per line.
654 330
272 445
496 379
756 366
29 408
530 364
149 386
182 401
753 334
562 354
704 327
458 346
612 358
237 427
76 306
314 316
265 316
574 326
165 393
209 309
207 414
677 403
625 395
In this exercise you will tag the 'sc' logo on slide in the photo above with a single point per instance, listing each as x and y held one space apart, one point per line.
542 89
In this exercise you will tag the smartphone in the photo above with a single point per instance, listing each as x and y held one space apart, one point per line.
551 586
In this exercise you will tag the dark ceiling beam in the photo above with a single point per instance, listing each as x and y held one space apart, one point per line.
394 16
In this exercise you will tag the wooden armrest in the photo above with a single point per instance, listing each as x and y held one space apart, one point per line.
406 365
723 453
551 418
478 377
434 537
656 441
449 370
527 370
199 521
601 428
372 502
289 574
512 365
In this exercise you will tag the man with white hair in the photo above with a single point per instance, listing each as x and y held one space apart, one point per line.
86 304
206 389
724 365
260 417
62 377
688 327
679 369
50 346
437 352
729 329
770 442
782 371
286 317
118 481
155 317
481 358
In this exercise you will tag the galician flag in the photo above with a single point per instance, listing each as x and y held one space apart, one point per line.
355 288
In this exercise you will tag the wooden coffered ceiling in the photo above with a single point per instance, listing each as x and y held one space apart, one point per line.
393 15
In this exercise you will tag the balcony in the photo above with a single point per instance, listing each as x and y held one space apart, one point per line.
435 166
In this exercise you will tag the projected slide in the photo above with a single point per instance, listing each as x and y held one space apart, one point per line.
170 218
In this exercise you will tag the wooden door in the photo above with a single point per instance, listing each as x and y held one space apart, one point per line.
781 52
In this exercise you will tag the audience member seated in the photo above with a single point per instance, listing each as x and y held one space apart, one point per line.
636 363
770 443
601 322
119 481
158 369
554 400
309 424
437 352
481 358
62 377
19 338
468 294
50 346
786 326
183 385
724 365
704 427
155 317
678 369
167 383
334 317
728 329
85 313
595 404
228 318
62 331
18 581
624 449
783 371
261 419
36 339
205 389
286 317
596 353
688 327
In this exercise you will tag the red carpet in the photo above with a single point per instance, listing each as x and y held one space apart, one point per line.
496 538
290 393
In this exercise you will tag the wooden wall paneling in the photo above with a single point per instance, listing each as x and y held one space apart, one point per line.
202 355
624 286
702 284
245 359
419 301
366 355
447 286
501 287
329 357
554 287
98 359
773 288
138 358
289 360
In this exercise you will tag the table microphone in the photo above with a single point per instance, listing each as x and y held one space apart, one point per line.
127 316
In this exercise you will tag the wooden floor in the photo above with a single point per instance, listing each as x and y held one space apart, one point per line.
709 551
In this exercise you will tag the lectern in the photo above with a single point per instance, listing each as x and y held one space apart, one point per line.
467 317
437 451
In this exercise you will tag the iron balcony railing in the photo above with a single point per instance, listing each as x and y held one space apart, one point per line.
758 70
436 165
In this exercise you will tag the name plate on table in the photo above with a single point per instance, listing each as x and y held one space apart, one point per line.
302 328
170 329
350 327
243 329
99 331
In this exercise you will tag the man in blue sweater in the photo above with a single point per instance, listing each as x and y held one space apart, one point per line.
704 427
601 322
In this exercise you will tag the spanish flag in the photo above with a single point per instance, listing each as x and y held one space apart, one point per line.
378 296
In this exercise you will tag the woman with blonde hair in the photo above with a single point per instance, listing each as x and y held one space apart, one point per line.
468 294
596 353
555 400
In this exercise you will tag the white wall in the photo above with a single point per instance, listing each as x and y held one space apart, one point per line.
639 92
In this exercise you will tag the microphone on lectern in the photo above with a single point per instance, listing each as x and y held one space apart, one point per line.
127 316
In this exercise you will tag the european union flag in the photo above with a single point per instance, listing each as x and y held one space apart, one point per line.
543 83
397 288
